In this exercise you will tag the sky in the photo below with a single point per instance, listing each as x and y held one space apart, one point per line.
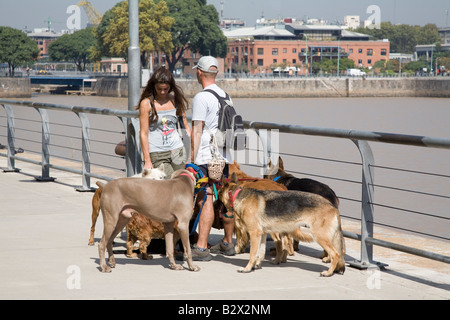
30 14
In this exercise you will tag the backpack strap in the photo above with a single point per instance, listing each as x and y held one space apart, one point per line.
223 103
222 100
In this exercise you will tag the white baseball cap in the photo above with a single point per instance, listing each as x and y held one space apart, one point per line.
206 62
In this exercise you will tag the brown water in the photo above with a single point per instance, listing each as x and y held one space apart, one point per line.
415 116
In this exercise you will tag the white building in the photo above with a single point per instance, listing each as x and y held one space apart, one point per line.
352 22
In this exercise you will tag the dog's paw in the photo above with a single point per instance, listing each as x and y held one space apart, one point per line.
326 260
176 267
275 261
106 269
326 274
244 270
194 268
133 255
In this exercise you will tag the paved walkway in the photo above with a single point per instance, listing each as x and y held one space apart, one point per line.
44 230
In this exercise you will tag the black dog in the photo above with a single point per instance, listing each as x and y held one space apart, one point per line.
305 185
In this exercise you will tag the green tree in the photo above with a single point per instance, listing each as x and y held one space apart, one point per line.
414 66
73 47
196 28
329 66
154 30
404 38
16 48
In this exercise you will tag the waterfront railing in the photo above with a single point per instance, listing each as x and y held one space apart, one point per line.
34 127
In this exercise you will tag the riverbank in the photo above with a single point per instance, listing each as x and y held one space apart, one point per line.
436 87
305 87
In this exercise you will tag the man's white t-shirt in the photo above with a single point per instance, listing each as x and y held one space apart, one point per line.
205 107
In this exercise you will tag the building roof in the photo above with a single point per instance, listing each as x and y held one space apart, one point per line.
262 32
302 27
44 34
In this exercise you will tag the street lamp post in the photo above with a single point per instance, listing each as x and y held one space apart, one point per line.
306 56
339 57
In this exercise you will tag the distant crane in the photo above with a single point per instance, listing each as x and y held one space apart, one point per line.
93 14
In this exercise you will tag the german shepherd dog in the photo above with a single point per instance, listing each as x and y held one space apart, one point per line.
266 211
283 242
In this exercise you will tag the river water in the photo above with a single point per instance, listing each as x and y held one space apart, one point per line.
415 198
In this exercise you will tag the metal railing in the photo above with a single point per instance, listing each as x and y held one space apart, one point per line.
133 159
85 139
360 139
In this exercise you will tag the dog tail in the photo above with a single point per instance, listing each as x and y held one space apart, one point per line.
339 244
100 184
299 235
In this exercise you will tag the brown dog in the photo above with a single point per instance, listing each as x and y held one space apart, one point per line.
166 201
265 211
154 174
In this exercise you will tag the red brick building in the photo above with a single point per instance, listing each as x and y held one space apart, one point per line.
262 50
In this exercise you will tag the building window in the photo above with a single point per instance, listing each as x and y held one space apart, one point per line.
294 50
275 51
359 50
369 62
260 51
275 60
261 62
383 52
350 50
284 50
294 61
369 52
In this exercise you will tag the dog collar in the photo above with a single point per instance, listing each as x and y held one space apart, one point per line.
277 178
233 196
187 175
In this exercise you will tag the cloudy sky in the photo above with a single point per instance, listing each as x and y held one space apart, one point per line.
32 14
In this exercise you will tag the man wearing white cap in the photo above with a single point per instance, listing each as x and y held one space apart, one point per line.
205 112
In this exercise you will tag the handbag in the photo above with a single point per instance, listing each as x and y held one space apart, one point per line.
217 162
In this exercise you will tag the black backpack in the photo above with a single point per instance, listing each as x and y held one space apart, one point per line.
230 130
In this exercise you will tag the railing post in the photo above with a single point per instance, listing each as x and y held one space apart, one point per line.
133 157
11 140
85 153
45 146
134 83
367 201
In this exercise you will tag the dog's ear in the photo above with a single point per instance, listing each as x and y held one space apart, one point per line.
161 167
224 182
234 178
280 163
145 172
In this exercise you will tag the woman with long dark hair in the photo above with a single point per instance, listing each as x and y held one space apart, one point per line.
161 107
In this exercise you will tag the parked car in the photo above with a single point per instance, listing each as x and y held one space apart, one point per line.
355 73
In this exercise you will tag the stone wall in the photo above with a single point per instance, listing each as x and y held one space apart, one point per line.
306 88
15 88
273 88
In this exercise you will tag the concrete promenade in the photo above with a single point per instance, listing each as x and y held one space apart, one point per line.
44 231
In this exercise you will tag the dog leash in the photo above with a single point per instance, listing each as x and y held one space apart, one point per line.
200 185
